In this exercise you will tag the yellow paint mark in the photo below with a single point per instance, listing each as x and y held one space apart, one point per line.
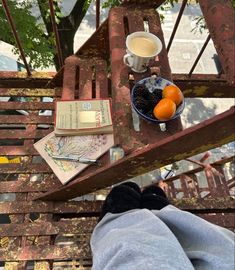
4 160
203 148
144 167
43 265
197 91
187 91
12 266
35 74
31 92
218 94
4 242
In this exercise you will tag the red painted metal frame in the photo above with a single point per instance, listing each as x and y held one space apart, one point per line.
101 49
199 55
183 5
45 228
119 80
142 3
16 36
55 30
123 21
97 10
217 131
219 17
69 82
90 49
12 79
21 75
194 171
218 186
204 85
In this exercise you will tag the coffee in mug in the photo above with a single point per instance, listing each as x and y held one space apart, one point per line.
141 47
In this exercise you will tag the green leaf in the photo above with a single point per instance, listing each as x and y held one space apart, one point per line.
200 25
59 14
111 3
86 5
37 49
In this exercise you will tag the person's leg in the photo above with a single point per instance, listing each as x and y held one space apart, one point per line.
208 246
199 239
134 239
138 235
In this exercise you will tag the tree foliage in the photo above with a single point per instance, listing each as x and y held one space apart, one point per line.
36 33
38 46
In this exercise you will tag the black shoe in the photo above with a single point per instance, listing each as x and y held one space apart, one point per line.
154 190
154 198
122 198
132 185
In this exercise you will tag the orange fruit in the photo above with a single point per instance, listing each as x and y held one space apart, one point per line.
165 109
173 92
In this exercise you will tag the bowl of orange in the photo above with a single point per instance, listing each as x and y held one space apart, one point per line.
157 100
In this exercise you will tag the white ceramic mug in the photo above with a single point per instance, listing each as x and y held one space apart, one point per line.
141 47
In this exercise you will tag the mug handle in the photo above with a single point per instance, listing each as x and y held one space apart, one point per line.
128 60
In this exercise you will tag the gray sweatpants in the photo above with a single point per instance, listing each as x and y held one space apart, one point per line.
165 239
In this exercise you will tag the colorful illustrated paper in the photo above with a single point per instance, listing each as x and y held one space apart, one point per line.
89 146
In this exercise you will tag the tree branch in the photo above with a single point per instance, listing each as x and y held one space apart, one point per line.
77 13
43 6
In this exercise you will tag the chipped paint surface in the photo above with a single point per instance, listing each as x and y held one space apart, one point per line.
204 85
29 92
145 150
206 147
222 31
23 74
29 253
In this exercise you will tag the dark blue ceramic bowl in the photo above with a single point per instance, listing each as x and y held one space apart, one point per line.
153 84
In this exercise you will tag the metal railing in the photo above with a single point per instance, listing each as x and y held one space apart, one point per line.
55 30
184 3
154 4
16 36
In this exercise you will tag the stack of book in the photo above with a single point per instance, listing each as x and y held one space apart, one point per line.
83 131
83 117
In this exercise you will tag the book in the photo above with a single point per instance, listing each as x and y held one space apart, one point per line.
83 117
88 146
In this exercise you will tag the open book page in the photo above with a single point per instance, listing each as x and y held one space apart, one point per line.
90 146
83 114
